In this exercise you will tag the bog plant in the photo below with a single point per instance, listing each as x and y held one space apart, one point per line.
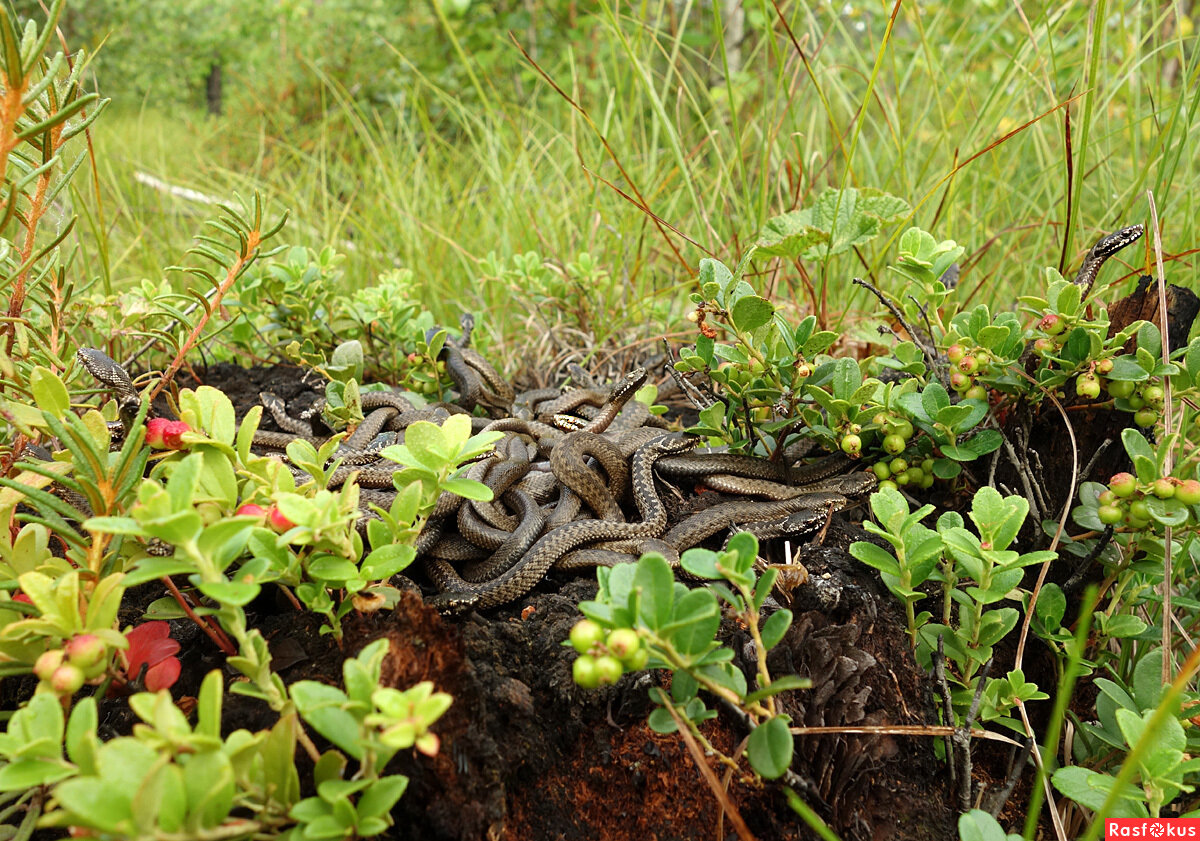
643 618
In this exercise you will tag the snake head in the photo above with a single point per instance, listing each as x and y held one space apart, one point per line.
108 373
1109 245
671 445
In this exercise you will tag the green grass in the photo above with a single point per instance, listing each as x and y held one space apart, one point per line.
439 185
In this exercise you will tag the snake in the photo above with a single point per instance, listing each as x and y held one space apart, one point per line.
523 576
601 455
1104 248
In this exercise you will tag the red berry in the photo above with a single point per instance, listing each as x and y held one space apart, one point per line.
955 353
249 509
1044 346
164 434
278 520
968 365
1104 366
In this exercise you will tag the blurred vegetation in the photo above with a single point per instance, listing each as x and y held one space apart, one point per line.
468 141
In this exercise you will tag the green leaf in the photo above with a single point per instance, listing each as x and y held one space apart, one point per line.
750 313
49 392
661 721
770 748
775 627
702 563
381 796
656 585
697 616
790 235
468 489
324 708
977 825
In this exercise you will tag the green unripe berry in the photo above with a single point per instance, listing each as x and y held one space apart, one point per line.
1123 485
1139 510
608 669
638 660
1188 492
1107 498
915 475
1120 388
1154 395
48 663
1145 417
927 466
882 471
1110 515
1136 402
1136 523
975 392
1044 346
1163 488
955 353
968 364
983 358
902 479
902 427
1086 385
585 635
803 371
583 670
898 466
623 643
1104 366
888 483
894 444
851 444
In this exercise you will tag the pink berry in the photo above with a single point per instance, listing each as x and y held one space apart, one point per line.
1123 484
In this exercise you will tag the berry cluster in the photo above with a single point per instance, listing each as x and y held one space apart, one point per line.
967 364
65 670
1146 399
898 473
1124 503
605 655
